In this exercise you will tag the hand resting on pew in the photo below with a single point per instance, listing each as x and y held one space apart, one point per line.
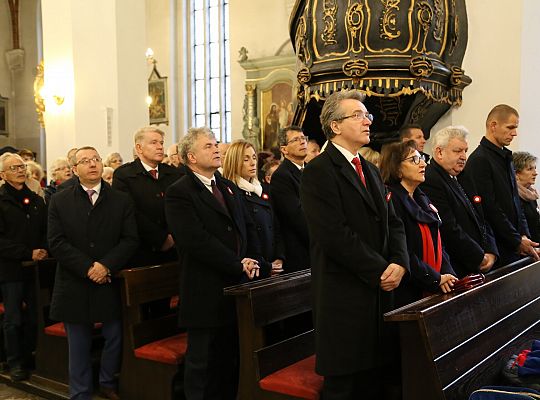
250 267
99 273
277 267
447 282
527 248
391 277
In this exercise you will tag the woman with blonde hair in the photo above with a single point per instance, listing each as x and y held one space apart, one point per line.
240 167
113 160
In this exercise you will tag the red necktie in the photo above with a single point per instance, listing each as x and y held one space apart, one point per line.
358 166
153 172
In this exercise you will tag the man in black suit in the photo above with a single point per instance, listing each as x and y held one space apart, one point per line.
415 132
23 237
92 234
466 236
209 224
491 167
285 196
146 180
359 255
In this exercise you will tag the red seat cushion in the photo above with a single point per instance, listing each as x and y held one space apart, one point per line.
59 329
298 379
170 350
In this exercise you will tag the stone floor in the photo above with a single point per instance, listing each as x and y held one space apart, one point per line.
9 393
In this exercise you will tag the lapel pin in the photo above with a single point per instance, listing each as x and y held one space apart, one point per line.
230 191
264 196
388 197
26 201
477 199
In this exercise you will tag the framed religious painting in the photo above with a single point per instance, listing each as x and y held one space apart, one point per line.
4 116
269 102
157 99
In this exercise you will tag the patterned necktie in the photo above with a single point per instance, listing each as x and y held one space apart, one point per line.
153 172
358 166
90 193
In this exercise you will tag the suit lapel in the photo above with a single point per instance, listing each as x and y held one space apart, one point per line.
351 176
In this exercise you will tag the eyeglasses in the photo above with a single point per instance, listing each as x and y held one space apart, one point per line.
19 167
86 161
298 139
415 159
358 116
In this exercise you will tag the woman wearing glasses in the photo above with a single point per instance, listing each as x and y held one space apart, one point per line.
240 167
402 168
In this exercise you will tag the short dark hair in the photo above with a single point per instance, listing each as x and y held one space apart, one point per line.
501 113
405 130
392 154
282 137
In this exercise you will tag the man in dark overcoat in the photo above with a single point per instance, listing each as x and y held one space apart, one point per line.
146 180
285 196
92 234
467 237
23 237
216 243
492 168
358 254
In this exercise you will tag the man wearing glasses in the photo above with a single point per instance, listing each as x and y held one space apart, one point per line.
92 234
23 236
285 196
359 255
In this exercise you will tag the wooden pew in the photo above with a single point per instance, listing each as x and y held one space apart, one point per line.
284 370
153 346
454 344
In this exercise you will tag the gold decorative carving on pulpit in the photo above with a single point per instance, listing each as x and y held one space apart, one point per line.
457 76
355 68
300 41
355 22
329 17
424 15
390 109
421 67
455 31
387 26
303 76
438 29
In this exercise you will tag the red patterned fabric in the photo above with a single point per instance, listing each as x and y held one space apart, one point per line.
170 350
59 329
299 380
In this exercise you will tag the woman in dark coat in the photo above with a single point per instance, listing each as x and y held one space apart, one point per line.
240 167
525 165
402 169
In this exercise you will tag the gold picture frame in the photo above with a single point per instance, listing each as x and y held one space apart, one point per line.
4 116
158 99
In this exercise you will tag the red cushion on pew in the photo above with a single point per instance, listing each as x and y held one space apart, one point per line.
170 350
298 379
58 329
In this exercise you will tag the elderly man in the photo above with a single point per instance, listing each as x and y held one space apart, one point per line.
415 132
172 153
23 236
285 195
491 167
467 237
145 180
92 234
210 226
359 255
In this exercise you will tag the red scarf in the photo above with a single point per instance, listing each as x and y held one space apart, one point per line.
428 251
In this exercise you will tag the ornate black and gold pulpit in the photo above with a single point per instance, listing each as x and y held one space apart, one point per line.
406 55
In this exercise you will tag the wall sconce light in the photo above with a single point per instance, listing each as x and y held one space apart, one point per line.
59 100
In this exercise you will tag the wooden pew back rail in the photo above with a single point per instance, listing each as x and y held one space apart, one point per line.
284 370
459 342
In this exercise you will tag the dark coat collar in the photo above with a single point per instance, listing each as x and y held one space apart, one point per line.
420 209
502 152
348 172
138 169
